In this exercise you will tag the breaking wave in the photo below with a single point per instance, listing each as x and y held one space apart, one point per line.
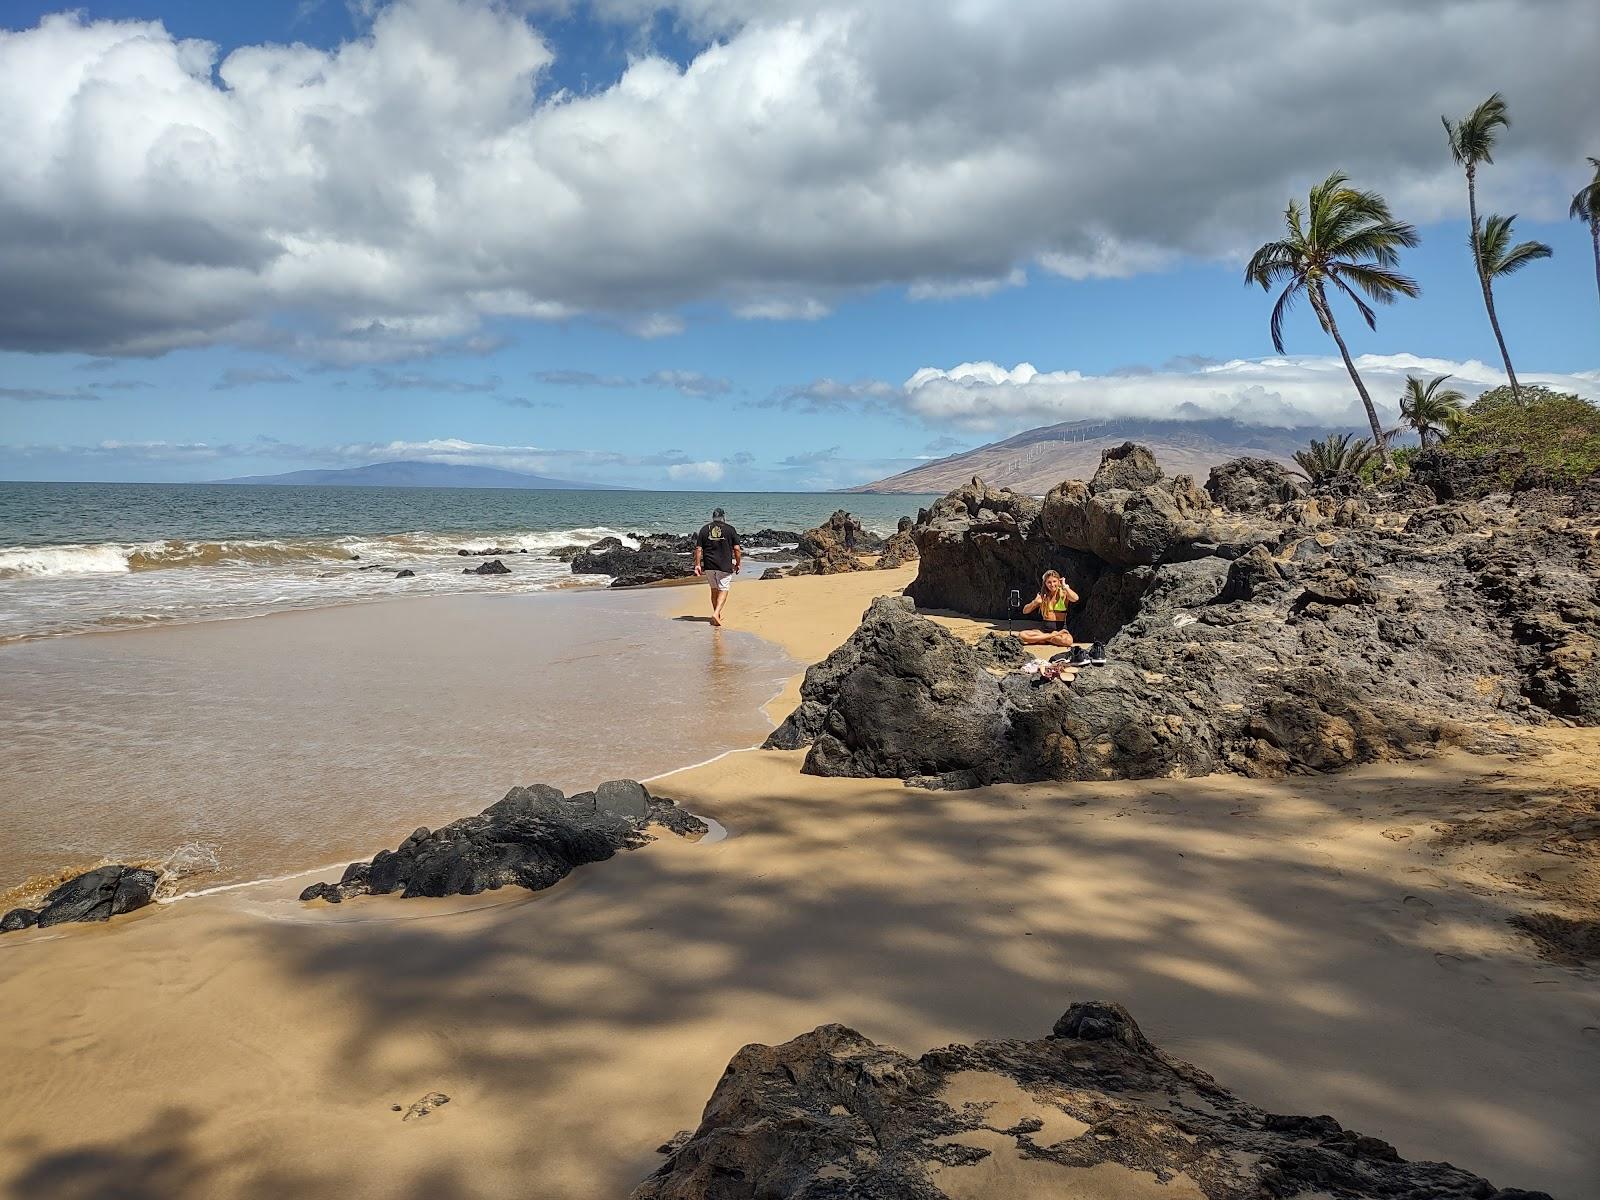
110 558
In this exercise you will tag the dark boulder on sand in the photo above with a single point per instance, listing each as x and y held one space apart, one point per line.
1310 636
1092 1109
407 573
531 838
493 567
96 895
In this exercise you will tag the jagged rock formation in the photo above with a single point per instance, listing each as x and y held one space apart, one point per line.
1094 1109
1308 635
493 567
769 539
531 838
978 543
1248 485
657 557
900 548
835 547
96 895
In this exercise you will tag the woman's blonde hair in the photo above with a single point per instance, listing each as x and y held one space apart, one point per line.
1052 574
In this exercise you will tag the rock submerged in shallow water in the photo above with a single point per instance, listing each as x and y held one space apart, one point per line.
96 895
493 567
658 557
1093 1109
18 918
533 837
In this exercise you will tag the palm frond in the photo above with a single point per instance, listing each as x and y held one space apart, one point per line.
1335 455
1472 138
1284 304
1586 203
1500 257
1362 307
1381 285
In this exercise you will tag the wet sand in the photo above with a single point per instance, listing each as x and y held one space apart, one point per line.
248 1046
245 749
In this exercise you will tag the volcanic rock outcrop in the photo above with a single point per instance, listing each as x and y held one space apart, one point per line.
1307 635
1092 1109
531 838
657 557
900 548
835 546
96 895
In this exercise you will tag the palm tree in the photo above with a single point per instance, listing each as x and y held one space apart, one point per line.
1430 407
1336 455
1341 237
1472 142
1586 208
1500 257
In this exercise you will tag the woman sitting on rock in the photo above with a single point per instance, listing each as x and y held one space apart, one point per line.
1051 605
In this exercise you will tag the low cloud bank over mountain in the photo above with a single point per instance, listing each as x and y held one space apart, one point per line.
1275 392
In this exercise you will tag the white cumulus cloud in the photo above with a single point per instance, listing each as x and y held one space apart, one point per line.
378 200
708 471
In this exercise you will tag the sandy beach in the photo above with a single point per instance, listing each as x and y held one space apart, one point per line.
1322 944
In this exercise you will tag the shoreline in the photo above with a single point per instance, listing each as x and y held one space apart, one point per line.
523 717
1270 931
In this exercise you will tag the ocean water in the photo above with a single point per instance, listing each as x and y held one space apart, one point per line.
230 751
82 557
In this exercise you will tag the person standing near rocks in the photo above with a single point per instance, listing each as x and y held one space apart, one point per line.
717 557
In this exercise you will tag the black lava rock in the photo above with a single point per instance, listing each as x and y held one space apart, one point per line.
532 838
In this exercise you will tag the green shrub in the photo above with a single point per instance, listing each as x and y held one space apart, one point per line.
1556 431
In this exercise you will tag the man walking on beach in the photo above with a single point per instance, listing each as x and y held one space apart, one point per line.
717 555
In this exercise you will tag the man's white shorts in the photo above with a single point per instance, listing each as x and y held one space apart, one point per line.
721 580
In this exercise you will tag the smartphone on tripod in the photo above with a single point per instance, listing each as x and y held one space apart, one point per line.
1013 604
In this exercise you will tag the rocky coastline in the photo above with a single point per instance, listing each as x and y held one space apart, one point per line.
1252 626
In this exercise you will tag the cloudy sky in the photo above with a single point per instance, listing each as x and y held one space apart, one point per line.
758 243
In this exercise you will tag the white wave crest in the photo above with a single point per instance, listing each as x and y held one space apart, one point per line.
42 561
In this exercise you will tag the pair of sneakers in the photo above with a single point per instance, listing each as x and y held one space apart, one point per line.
1082 656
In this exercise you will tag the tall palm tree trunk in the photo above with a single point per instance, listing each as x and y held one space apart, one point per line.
1483 280
1594 234
1319 302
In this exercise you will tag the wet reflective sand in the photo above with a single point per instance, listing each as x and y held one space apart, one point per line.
257 747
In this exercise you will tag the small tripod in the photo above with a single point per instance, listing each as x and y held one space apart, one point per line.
1014 602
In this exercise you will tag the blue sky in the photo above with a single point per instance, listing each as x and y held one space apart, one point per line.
695 319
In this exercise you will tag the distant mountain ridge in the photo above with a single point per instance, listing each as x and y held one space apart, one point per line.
424 475
1035 460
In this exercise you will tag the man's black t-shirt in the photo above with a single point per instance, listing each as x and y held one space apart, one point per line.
716 542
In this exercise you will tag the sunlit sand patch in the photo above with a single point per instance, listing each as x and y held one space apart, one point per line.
1005 1104
1005 1173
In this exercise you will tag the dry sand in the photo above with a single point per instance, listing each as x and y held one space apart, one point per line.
245 1045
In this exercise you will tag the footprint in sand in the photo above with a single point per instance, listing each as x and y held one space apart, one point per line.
1421 908
1459 962
1592 1032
